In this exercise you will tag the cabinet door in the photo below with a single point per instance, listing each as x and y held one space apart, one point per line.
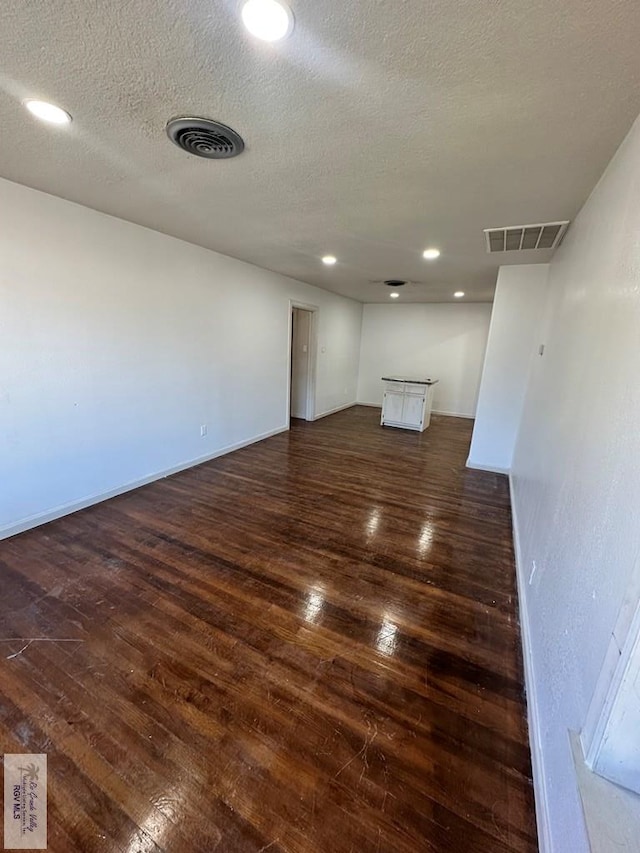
392 411
413 410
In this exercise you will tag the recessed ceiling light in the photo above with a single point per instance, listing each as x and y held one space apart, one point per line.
329 260
48 112
268 20
431 254
459 294
394 295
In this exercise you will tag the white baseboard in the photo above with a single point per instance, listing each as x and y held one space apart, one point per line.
336 409
433 411
452 414
492 469
540 791
90 500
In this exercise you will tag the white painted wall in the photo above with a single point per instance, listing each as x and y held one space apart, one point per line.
443 341
518 306
117 343
576 477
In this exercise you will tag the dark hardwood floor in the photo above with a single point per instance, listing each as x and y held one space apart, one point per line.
308 645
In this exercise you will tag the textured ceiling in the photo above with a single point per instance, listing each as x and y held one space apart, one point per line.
378 129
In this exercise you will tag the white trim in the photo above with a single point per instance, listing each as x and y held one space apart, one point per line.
604 805
452 414
313 358
627 626
540 791
334 410
495 469
600 705
433 411
607 747
73 506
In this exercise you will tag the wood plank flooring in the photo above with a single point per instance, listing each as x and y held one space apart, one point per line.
307 646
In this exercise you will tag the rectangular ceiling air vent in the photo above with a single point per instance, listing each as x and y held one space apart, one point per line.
518 238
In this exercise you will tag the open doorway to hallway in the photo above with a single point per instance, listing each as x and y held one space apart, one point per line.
302 365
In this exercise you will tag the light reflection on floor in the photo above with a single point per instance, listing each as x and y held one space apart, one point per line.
387 637
315 603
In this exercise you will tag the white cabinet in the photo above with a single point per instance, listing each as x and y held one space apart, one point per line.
407 402
393 406
413 410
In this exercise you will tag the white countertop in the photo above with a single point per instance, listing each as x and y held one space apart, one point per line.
410 379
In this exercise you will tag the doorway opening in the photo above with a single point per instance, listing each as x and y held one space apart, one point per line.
302 363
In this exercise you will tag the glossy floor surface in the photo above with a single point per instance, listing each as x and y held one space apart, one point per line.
308 645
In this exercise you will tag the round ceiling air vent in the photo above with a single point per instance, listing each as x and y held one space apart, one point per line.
395 282
205 138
